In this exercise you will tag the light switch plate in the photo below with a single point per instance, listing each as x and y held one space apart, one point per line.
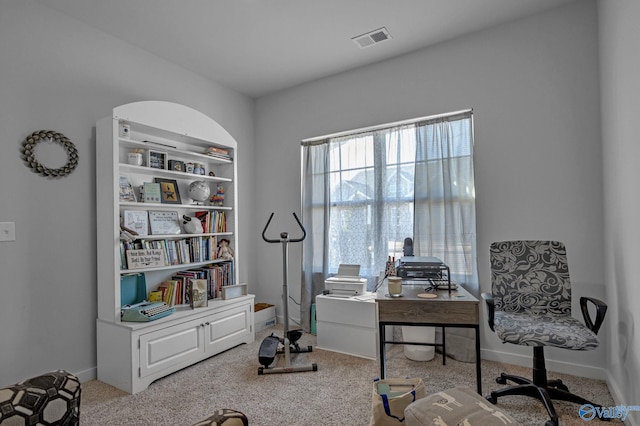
7 231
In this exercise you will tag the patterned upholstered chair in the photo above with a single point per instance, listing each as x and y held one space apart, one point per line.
530 304
49 399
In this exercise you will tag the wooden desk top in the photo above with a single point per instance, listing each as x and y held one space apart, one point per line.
459 307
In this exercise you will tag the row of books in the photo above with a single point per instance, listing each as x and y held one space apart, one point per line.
183 287
212 221
175 252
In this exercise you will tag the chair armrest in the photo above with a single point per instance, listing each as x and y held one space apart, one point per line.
601 310
488 297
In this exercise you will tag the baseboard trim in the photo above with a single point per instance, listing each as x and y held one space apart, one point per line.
86 375
633 418
551 364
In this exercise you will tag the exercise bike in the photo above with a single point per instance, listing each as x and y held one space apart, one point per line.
286 345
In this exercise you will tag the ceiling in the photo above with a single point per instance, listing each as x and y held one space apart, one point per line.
257 47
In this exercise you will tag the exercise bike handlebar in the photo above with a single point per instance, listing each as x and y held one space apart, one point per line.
284 235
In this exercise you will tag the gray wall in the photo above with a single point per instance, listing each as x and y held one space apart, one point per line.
534 88
58 74
533 85
620 87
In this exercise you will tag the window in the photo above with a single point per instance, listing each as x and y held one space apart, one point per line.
365 191
383 183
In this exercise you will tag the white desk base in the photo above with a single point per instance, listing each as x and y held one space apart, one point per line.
347 325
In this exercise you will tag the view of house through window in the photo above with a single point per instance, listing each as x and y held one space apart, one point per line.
364 192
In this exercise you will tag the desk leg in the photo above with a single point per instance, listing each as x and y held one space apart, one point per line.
444 351
478 366
382 347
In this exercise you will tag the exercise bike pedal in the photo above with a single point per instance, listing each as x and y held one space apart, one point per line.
294 335
268 350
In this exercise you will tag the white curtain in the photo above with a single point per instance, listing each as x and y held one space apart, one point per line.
363 193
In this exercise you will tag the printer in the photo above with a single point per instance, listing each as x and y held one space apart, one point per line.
426 267
347 282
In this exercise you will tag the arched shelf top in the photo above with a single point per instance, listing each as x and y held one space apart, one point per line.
177 119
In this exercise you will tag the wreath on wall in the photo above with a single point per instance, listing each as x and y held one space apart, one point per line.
29 145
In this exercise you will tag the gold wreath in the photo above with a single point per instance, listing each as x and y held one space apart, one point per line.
28 156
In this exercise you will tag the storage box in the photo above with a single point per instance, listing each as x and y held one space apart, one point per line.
233 291
264 316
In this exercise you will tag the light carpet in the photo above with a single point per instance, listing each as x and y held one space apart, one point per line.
339 393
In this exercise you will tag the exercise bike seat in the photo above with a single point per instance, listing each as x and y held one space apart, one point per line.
268 350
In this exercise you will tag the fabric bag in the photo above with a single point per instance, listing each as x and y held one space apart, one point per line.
391 397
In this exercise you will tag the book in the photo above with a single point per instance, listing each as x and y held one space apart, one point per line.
164 223
126 190
198 293
183 286
151 193
216 150
155 296
205 219
136 220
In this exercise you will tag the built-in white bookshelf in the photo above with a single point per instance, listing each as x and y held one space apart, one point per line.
178 145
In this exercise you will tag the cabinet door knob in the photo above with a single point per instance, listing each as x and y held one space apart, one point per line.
207 323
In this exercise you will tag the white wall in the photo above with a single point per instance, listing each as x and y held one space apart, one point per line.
58 74
533 85
619 69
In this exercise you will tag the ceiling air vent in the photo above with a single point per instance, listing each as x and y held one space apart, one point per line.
371 38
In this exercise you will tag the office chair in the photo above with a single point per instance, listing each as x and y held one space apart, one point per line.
530 304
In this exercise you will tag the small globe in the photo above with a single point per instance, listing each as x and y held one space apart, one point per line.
199 191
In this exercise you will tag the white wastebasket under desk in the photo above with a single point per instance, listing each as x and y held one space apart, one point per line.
347 325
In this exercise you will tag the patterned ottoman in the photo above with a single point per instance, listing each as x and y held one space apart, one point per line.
456 406
226 417
50 399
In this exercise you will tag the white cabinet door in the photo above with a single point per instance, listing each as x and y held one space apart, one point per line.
166 348
227 329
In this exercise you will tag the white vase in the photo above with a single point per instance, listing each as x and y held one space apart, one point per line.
135 158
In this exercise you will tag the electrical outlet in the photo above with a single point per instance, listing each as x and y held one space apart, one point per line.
7 231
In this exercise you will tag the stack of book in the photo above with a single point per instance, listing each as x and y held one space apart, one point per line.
216 152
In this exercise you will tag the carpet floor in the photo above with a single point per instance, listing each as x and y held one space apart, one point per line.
338 393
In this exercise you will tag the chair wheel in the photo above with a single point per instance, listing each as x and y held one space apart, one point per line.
501 380
314 366
551 423
310 348
260 371
491 399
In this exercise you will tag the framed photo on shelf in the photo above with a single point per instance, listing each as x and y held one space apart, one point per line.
176 165
169 192
126 190
151 192
136 220
157 159
164 223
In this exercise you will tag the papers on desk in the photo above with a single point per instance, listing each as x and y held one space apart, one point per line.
366 296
